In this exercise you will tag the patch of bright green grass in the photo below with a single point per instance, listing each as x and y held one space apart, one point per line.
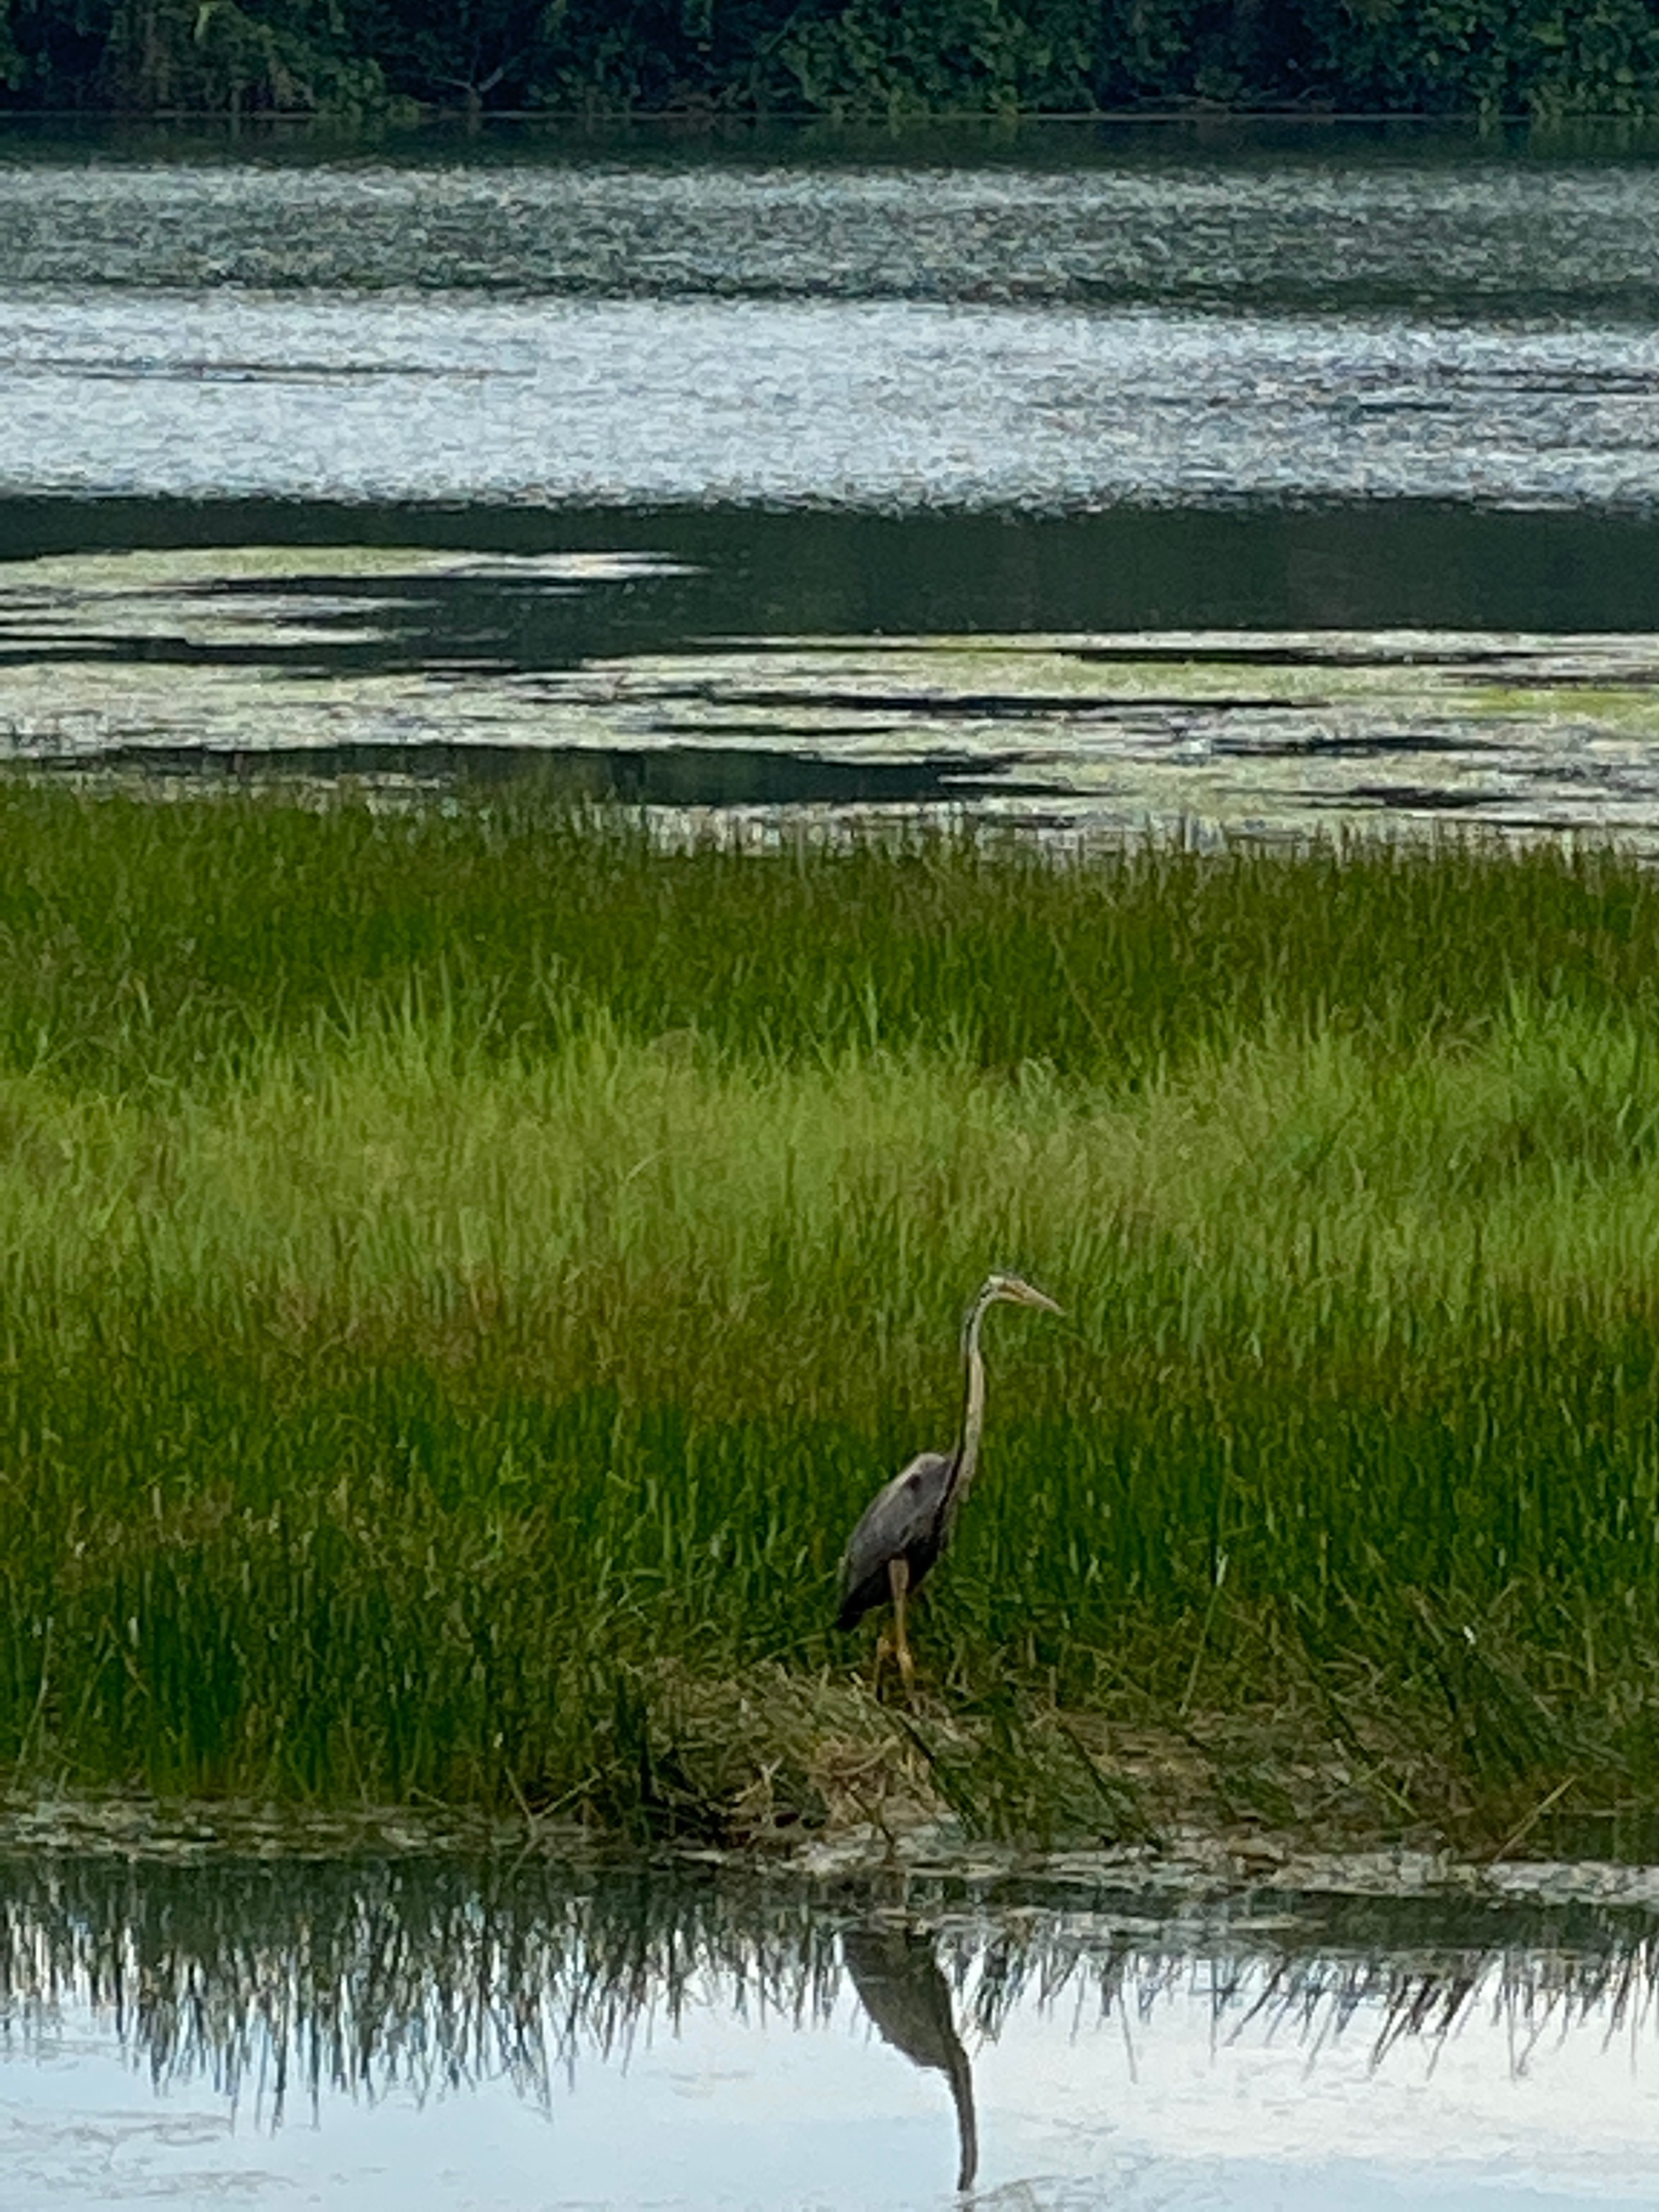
462 1273
142 942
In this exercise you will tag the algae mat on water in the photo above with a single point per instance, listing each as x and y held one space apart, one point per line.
401 663
462 1270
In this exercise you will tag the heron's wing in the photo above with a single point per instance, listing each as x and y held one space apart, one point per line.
900 1515
901 1987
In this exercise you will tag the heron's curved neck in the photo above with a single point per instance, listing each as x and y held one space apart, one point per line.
961 2077
973 1412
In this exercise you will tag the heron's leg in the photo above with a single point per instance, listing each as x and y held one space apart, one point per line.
883 1653
898 1580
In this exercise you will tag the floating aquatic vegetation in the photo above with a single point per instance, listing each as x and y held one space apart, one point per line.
254 660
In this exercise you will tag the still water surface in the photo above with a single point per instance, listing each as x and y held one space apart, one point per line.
416 2033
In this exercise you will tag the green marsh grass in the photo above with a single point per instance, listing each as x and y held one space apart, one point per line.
462 1271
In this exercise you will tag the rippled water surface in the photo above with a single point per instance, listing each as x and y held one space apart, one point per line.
1245 217
1099 390
896 337
864 404
420 2032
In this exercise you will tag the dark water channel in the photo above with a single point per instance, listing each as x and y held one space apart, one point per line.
411 2032
1055 385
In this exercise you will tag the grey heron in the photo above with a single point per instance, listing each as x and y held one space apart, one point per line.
908 1523
900 1985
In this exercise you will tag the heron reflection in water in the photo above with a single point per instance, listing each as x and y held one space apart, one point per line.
909 1523
901 1987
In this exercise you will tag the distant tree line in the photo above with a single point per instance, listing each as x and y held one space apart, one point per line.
1543 58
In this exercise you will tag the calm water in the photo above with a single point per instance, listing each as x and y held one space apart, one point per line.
1052 384
412 2033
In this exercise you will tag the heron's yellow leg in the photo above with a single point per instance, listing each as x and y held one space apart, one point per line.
883 1653
898 1580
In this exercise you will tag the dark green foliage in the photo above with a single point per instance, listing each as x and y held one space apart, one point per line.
196 56
940 55
1545 57
1508 57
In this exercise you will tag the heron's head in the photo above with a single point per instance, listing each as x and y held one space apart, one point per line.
1017 1292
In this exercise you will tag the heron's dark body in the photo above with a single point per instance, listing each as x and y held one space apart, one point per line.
910 1519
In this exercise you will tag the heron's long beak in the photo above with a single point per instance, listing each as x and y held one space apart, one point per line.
1031 1296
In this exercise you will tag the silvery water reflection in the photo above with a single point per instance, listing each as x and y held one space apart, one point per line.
1160 322
425 2031
866 403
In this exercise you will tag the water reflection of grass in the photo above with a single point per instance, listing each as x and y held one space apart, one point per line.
285 1984
463 1271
